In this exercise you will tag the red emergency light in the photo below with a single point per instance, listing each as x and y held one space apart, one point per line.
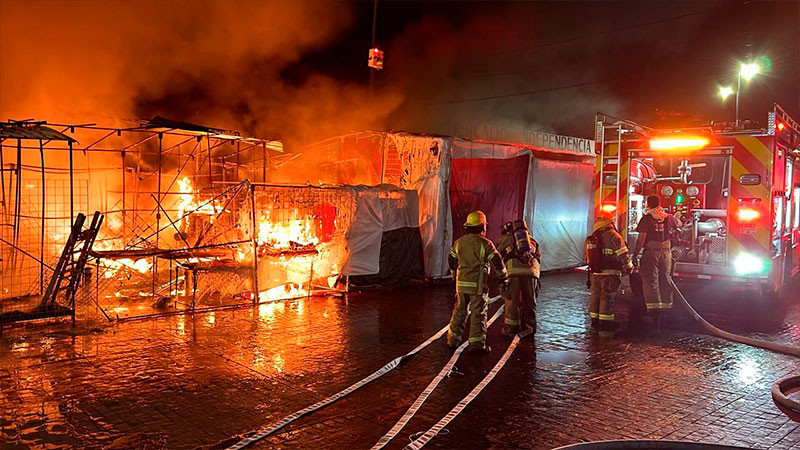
375 58
748 214
678 143
608 208
780 126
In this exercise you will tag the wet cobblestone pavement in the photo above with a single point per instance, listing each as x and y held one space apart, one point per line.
186 382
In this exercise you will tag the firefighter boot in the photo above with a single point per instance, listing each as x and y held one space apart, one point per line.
510 330
532 325
479 347
608 325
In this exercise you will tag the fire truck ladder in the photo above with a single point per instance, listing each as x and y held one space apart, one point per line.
610 179
69 269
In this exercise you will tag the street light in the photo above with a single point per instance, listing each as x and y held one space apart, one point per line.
725 92
747 71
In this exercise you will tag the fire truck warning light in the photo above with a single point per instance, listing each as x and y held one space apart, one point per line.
678 143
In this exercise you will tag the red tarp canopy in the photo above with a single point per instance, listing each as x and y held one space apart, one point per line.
494 186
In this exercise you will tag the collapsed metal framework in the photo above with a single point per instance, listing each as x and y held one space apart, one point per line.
141 178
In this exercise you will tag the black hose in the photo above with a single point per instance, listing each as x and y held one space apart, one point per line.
772 346
646 444
781 387
787 406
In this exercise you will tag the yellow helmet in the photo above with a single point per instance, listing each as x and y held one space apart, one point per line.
602 223
475 218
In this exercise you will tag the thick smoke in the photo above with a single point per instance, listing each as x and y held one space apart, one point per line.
234 64
212 62
479 57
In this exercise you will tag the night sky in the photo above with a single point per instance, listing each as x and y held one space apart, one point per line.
642 60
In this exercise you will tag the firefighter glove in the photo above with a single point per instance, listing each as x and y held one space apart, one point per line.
627 267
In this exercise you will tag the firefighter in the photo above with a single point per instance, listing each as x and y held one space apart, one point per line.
522 258
608 257
655 266
473 258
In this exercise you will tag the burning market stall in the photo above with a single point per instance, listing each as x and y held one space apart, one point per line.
189 222
23 246
171 200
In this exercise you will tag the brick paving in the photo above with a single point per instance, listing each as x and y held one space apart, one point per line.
187 382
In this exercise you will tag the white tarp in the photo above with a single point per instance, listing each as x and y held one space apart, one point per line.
562 204
426 168
378 209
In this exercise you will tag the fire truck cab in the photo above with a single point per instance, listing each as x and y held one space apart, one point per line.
737 192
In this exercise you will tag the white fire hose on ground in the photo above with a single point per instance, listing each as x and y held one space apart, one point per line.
270 429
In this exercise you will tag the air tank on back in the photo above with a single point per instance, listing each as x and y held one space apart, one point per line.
522 241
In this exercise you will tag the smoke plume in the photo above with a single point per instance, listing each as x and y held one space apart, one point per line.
211 62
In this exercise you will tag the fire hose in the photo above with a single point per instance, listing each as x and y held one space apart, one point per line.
433 431
645 444
786 405
781 387
388 367
423 396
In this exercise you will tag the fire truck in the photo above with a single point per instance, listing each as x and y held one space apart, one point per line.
737 189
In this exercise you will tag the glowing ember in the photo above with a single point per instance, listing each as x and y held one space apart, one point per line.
140 265
282 292
112 266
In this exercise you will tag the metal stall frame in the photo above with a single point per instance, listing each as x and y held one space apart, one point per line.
15 135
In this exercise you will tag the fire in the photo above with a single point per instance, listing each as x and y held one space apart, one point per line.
113 222
288 235
112 266
187 203
291 246
283 292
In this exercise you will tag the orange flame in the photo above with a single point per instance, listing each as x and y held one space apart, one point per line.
112 266
283 292
187 203
281 235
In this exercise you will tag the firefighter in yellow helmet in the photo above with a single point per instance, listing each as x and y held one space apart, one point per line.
474 259
522 258
608 257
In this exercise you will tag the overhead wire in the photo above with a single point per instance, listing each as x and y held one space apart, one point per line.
597 34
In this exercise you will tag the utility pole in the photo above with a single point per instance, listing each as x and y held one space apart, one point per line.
374 21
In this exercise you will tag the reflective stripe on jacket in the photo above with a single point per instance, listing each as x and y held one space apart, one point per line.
472 255
615 253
